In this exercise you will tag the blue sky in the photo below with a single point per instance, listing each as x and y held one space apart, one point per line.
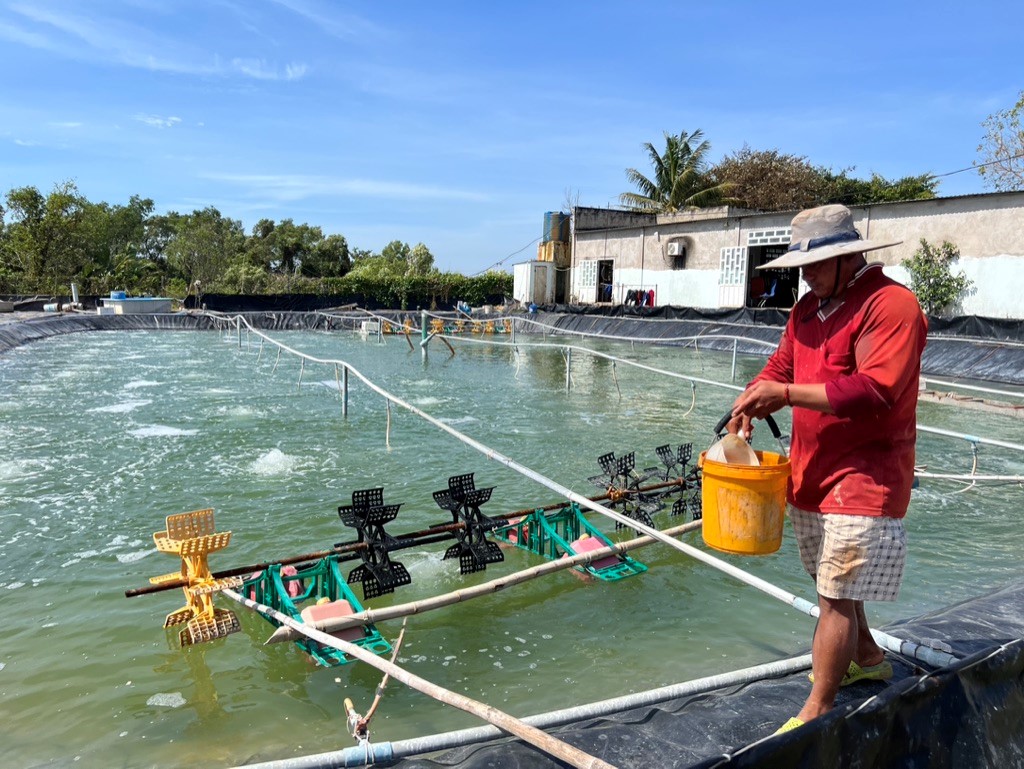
458 124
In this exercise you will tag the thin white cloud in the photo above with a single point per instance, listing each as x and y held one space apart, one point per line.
66 124
258 70
300 187
156 121
111 39
26 143
22 36
294 71
344 26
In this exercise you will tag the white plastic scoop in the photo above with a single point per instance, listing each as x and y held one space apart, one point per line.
732 450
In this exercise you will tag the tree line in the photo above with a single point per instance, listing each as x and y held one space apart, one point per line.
769 180
760 180
49 241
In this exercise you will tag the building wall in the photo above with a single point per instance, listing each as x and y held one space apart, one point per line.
988 230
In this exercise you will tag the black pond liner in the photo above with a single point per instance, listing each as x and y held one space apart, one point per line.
970 714
972 348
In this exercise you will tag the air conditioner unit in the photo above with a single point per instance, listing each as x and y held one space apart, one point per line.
677 249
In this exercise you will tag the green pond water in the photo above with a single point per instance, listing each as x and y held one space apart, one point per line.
102 435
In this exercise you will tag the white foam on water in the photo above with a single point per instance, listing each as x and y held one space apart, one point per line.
15 585
428 568
240 411
138 555
330 384
120 408
20 469
160 431
137 383
166 700
459 420
220 391
79 557
274 462
428 400
66 374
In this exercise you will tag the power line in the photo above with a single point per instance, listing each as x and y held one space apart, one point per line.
505 259
980 165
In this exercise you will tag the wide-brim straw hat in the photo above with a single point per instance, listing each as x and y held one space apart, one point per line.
822 233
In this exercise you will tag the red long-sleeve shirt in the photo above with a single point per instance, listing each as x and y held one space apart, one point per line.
866 349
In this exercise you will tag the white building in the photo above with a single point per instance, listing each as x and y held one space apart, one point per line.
706 258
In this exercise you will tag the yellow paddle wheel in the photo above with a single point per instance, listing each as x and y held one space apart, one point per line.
192 537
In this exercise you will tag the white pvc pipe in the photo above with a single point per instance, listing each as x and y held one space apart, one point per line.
971 438
388 752
974 388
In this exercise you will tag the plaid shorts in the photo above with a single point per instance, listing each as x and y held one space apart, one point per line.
855 557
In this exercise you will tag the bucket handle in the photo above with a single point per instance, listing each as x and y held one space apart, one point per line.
768 418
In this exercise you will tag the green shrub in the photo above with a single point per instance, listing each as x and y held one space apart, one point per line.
931 277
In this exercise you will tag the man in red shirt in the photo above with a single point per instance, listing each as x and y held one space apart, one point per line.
848 365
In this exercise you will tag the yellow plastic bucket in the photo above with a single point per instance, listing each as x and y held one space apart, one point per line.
744 506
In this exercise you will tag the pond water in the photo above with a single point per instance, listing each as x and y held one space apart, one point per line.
102 435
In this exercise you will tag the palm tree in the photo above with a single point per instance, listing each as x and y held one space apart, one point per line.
680 178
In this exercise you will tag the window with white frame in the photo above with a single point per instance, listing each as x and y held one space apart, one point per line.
586 277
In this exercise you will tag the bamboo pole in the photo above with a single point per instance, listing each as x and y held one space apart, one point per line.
486 588
387 428
364 722
344 391
534 736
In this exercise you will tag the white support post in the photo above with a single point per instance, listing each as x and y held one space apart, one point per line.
424 338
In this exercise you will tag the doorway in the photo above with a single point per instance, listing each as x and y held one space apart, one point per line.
771 288
605 272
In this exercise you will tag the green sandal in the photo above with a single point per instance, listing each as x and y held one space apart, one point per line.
789 726
880 672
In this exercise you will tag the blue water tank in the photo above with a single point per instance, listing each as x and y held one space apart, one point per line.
556 227
118 294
